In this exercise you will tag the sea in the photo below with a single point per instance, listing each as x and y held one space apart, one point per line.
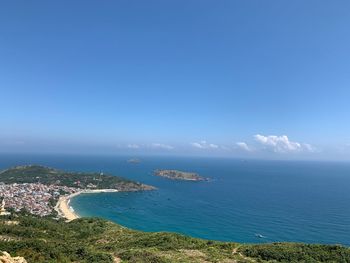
249 201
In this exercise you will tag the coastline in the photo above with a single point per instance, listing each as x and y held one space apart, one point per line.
66 211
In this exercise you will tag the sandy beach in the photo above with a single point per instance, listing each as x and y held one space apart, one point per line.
66 211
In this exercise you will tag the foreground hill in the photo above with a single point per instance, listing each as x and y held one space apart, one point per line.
50 176
91 240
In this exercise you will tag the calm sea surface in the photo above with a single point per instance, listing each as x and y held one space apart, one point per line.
280 200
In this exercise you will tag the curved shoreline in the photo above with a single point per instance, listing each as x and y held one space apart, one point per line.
66 211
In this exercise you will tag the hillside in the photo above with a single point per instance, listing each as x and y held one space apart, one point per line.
49 176
91 240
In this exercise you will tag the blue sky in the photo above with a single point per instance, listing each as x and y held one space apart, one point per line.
266 79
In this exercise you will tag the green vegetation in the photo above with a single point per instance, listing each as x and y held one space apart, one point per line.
46 175
97 240
297 252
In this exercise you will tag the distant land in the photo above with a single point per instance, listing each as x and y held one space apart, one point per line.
179 175
134 161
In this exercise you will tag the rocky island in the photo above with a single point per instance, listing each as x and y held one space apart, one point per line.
179 175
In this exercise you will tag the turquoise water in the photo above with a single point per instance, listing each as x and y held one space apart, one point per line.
283 201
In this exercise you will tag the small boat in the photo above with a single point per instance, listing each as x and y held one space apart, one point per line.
259 235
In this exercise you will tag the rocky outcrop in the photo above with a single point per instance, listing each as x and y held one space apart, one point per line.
6 258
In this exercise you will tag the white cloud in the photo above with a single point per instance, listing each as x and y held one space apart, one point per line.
225 148
204 145
133 146
309 147
152 145
162 146
282 144
197 145
243 146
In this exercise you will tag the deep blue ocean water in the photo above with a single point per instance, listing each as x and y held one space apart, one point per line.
281 200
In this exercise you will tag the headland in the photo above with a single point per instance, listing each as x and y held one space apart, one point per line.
54 188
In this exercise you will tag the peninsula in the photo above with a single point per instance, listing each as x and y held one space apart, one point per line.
42 190
81 180
179 175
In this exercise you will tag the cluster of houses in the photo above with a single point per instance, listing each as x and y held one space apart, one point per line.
35 198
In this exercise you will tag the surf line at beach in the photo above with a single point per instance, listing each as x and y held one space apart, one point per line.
63 208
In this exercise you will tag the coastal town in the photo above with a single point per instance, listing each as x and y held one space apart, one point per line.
36 198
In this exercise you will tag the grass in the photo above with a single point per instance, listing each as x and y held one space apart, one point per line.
97 240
